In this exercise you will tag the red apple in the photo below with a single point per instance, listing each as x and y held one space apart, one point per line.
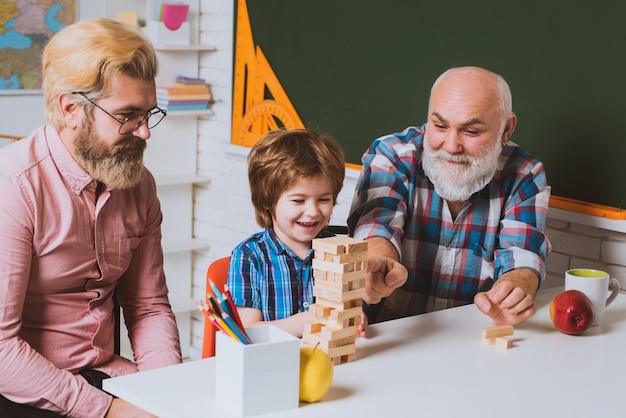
572 312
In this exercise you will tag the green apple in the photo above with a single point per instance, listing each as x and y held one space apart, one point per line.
316 373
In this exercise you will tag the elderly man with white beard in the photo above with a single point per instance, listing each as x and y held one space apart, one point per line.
462 207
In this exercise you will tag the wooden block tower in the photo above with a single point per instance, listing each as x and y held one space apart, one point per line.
339 270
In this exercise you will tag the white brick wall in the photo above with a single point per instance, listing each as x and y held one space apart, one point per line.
575 245
223 214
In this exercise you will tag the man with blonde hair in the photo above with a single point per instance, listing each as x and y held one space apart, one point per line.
80 220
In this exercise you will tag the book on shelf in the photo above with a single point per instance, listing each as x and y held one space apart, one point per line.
166 91
205 103
183 80
173 108
197 96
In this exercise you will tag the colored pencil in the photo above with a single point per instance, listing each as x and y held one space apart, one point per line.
241 334
231 302
217 311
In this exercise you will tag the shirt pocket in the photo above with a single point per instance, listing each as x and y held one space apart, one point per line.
127 246
484 267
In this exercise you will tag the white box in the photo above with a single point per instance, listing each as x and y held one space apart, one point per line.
258 378
160 35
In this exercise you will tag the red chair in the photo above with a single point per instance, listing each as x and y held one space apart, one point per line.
217 272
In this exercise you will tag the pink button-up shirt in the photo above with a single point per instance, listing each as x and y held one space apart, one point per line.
62 252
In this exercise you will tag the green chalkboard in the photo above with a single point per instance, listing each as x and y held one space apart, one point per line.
358 69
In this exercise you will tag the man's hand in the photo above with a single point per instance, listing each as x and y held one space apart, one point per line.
384 275
121 409
511 299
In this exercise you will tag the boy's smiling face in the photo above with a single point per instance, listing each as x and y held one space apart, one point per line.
302 211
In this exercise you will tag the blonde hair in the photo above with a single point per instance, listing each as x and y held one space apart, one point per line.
83 56
282 157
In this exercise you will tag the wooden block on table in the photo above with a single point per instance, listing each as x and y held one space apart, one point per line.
498 331
312 340
342 350
504 342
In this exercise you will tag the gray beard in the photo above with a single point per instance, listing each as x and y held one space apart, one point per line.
458 184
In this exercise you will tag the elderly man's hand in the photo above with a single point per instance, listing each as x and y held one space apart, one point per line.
511 299
384 275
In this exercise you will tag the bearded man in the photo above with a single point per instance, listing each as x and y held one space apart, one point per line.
459 205
79 220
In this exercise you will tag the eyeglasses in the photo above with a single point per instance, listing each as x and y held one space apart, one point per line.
132 123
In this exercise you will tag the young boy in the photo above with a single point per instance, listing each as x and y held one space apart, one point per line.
295 177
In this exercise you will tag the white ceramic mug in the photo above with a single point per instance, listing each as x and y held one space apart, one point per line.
595 284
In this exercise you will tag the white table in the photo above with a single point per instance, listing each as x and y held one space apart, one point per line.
435 365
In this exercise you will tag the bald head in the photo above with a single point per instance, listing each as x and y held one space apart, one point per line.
476 83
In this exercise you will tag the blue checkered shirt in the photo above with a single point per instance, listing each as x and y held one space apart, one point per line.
265 274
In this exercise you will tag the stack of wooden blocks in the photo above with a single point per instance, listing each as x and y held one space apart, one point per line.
339 270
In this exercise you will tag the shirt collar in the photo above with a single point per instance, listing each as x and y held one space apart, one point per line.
75 176
279 247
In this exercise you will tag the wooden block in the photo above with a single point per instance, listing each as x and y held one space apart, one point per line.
313 327
334 267
340 323
346 277
336 295
321 311
333 334
322 275
352 244
328 245
358 257
340 315
504 342
339 244
498 331
312 340
341 286
339 305
342 350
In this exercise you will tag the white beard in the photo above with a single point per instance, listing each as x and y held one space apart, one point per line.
456 183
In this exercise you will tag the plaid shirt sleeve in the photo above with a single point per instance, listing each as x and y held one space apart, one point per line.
522 239
384 187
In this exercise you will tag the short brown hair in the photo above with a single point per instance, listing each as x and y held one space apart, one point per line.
282 157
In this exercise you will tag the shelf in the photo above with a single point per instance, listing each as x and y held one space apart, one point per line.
587 220
165 180
183 246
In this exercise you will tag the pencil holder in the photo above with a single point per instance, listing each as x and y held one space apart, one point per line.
258 378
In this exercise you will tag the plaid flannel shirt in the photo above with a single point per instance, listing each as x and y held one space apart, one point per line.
500 228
